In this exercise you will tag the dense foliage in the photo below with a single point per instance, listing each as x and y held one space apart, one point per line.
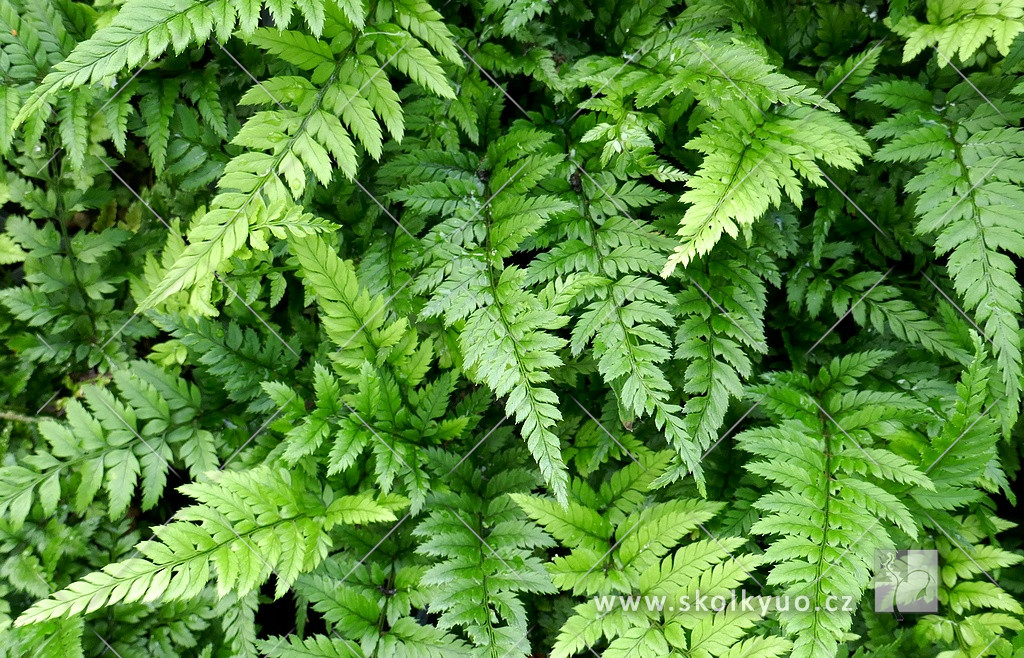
401 328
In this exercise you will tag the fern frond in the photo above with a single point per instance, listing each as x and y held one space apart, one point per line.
356 322
482 545
647 563
112 445
506 339
826 510
240 358
751 161
959 28
312 122
246 526
965 199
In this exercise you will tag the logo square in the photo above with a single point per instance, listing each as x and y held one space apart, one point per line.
906 581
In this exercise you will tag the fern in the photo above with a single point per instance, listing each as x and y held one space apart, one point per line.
386 364
963 200
372 598
835 485
285 143
505 338
259 189
603 254
240 359
113 445
509 328
645 561
260 522
960 461
960 28
720 328
355 322
61 278
742 176
482 544
753 153
981 609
